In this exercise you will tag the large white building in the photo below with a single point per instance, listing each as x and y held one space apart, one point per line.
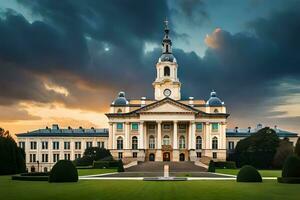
166 128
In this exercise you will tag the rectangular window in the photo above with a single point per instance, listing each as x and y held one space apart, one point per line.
215 155
89 144
32 158
45 158
67 156
55 145
199 155
55 157
22 145
120 155
199 127
45 145
215 127
230 145
167 126
77 155
151 126
67 145
32 145
134 154
119 126
77 145
135 126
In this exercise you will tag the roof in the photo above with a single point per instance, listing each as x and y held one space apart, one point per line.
248 132
66 133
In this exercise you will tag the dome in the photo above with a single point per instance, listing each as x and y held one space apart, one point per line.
120 100
167 58
214 100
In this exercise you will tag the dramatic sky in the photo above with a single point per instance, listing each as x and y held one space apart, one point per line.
65 61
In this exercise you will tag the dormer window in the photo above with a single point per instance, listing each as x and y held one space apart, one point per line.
166 71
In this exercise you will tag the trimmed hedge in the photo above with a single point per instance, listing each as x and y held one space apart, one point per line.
84 161
105 164
30 177
63 171
211 166
291 170
225 164
248 174
35 174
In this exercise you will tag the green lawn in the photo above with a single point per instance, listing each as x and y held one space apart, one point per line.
119 190
83 172
263 173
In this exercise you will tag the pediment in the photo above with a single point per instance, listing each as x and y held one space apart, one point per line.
167 106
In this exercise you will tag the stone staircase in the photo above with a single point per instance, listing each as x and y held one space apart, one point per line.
186 166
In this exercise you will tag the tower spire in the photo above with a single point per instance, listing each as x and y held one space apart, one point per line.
166 43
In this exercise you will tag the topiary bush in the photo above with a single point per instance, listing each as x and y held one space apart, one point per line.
120 166
248 174
211 166
291 170
84 161
63 171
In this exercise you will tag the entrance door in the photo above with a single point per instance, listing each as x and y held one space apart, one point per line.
182 157
166 156
151 157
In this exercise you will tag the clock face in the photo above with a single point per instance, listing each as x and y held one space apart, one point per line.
167 92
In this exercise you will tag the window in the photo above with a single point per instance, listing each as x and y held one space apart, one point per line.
100 144
166 140
198 154
199 127
231 145
134 154
45 169
166 71
215 143
77 155
45 145
32 158
66 145
44 157
32 145
119 110
215 127
134 126
67 156
215 155
151 126
55 145
55 157
77 145
22 145
167 126
120 143
120 155
89 144
198 142
119 126
181 142
216 111
151 142
134 142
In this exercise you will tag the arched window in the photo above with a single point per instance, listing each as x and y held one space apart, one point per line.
215 143
198 142
151 142
181 142
166 140
120 143
216 111
166 71
134 142
119 110
45 169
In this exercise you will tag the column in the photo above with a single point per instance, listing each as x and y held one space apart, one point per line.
192 152
145 136
113 136
159 135
126 140
193 129
190 137
175 142
141 138
207 140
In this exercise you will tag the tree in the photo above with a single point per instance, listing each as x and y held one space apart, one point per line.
211 166
258 149
284 150
12 158
97 153
297 148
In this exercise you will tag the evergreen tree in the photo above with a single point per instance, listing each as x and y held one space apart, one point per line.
297 148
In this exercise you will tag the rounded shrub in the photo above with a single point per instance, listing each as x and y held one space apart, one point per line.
291 167
211 166
248 174
63 171
120 166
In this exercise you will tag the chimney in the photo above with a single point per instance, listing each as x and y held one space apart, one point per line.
143 101
249 129
55 126
191 101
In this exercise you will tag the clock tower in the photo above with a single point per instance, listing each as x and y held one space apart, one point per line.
166 83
